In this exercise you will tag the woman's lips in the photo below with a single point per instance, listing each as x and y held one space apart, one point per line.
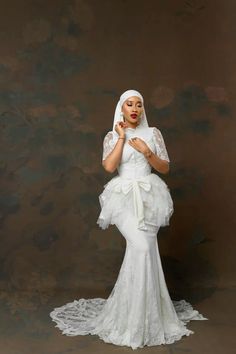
133 116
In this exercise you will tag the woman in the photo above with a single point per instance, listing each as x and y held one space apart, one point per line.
139 310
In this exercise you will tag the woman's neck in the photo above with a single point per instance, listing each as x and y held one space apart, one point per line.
133 126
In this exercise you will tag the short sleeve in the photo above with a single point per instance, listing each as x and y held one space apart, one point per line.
160 145
108 145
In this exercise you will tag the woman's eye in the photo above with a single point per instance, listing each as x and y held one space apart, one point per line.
131 105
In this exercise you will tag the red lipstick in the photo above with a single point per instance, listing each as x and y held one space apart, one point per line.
133 116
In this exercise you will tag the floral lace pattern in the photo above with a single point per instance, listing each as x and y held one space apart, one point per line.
160 145
92 316
108 145
139 310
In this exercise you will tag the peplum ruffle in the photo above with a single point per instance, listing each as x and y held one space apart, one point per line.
147 197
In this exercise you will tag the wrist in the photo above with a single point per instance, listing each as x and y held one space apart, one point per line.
148 153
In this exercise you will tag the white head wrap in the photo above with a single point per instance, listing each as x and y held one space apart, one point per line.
125 95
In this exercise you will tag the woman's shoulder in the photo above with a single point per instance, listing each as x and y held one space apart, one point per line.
155 129
109 137
156 132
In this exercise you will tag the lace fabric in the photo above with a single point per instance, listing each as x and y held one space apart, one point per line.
108 145
152 200
82 317
139 310
160 144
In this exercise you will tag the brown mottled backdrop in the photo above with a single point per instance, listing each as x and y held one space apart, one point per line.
63 66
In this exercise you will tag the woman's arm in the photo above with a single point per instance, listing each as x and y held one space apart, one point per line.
113 159
112 156
156 162
160 160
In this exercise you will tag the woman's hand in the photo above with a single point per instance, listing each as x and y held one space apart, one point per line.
138 144
120 128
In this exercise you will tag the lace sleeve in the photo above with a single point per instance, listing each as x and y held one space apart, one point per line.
108 145
160 145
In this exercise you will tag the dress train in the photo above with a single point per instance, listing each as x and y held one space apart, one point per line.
139 310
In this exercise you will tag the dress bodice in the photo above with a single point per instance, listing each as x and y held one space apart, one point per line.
133 163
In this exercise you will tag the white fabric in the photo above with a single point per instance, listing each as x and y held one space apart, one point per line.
139 310
126 189
132 163
110 141
117 116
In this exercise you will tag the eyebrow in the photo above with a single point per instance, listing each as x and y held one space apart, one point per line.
132 101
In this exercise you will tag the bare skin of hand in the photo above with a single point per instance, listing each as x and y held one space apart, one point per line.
120 127
138 144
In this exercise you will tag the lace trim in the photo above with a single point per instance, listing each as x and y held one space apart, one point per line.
108 145
160 145
85 316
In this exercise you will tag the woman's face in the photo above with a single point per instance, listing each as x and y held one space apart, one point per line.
132 109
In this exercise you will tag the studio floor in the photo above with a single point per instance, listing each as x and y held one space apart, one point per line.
30 330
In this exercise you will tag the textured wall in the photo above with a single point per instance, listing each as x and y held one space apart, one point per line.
63 65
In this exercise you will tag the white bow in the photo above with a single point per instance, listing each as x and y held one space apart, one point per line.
125 186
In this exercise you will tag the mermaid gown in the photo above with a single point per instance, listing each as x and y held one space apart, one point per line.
139 310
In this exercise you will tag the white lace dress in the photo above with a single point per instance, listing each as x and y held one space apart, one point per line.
139 310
